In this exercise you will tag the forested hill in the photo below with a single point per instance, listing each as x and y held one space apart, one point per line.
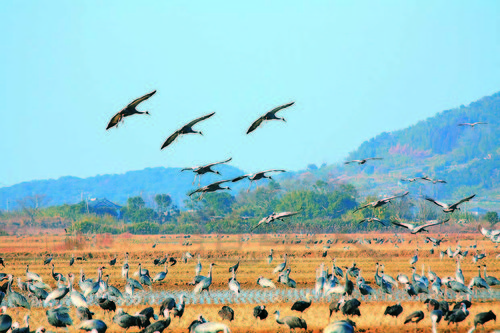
116 188
467 158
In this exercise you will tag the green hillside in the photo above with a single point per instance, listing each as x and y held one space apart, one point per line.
467 158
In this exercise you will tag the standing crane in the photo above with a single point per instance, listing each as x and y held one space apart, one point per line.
205 283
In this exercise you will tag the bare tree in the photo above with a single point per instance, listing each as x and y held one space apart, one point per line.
30 205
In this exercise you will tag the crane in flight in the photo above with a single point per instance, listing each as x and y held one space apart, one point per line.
271 115
472 124
415 229
256 176
129 110
364 160
381 202
211 188
452 207
201 170
186 129
276 216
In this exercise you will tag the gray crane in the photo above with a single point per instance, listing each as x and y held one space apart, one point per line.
186 129
420 228
270 257
271 115
124 320
160 325
83 313
129 110
201 170
59 317
132 282
15 299
161 276
256 176
364 160
291 321
93 324
58 294
452 207
281 267
491 280
30 276
205 283
77 299
381 202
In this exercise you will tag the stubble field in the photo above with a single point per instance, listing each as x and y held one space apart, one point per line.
252 251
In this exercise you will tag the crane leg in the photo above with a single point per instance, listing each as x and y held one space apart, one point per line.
194 180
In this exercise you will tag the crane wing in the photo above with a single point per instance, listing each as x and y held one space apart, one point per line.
464 200
279 108
137 101
353 161
218 183
285 214
170 139
186 169
255 124
197 120
395 196
464 124
361 207
272 170
222 162
240 178
115 120
374 158
430 224
441 204
404 225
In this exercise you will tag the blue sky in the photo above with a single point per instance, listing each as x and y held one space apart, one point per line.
354 68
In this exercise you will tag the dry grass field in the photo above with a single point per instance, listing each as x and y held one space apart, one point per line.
252 251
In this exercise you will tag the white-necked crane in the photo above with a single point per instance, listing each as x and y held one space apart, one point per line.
381 202
364 160
450 208
214 187
271 115
201 170
129 110
416 229
186 129
256 176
